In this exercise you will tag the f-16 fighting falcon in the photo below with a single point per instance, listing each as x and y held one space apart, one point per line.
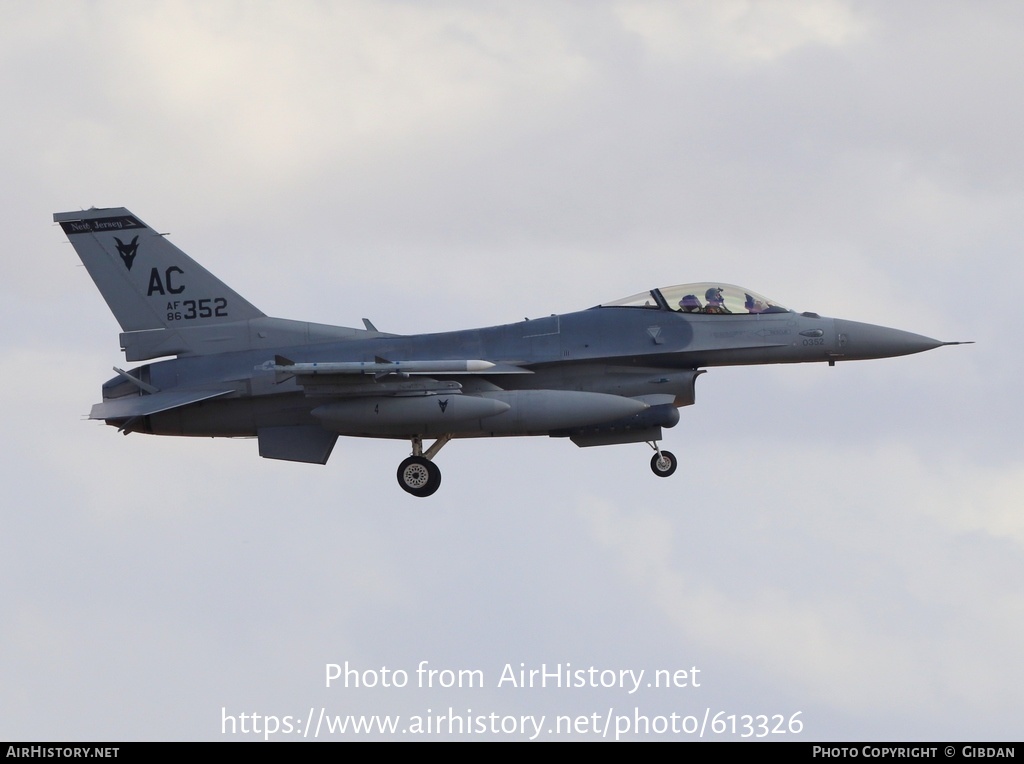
615 373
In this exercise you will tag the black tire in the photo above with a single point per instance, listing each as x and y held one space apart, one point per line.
664 465
419 476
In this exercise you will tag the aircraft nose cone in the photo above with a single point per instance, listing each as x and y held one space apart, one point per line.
857 341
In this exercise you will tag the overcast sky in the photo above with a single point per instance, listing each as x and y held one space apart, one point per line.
846 543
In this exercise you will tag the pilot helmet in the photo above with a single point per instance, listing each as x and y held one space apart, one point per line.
713 295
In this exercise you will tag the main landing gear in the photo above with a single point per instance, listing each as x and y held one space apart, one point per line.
663 463
419 475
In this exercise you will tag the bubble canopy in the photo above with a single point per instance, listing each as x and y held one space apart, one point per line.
707 297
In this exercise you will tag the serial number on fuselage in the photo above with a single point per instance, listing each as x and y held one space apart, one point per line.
208 307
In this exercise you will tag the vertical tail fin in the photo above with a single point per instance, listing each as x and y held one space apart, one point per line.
148 282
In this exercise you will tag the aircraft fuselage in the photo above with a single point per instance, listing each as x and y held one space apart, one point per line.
615 351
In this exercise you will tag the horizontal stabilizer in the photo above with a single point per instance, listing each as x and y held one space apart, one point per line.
144 405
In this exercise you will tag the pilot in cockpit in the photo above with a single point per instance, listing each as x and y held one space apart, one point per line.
690 304
716 303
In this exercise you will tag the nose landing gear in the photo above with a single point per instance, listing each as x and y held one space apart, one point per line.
663 463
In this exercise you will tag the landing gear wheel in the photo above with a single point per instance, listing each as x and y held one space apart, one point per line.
665 464
419 476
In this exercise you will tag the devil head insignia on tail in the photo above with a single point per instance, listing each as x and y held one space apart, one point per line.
127 251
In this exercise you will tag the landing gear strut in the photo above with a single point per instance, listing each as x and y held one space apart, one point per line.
663 463
419 475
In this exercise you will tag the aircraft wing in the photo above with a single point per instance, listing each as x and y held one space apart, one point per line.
144 405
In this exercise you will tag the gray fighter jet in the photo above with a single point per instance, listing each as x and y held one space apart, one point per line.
615 373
